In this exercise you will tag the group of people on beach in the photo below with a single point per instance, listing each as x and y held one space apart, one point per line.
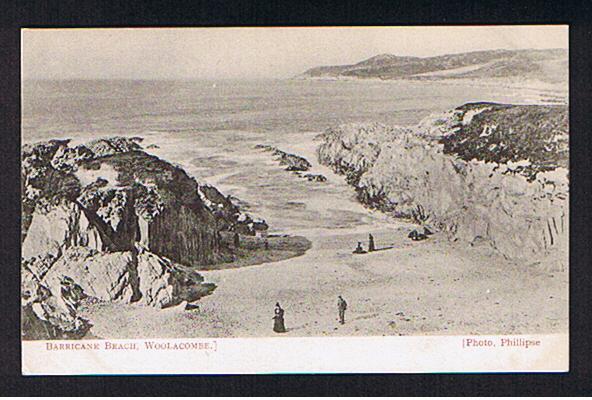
371 247
279 325
414 235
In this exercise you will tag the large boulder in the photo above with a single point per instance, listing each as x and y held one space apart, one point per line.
104 276
61 226
163 283
50 314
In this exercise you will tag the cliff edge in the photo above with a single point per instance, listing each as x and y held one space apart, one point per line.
485 174
106 221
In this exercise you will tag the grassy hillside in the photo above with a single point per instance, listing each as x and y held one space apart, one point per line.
548 65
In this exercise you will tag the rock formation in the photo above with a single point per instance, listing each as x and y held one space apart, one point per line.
107 221
294 163
520 212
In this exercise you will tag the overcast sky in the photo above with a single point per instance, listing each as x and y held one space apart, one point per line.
228 53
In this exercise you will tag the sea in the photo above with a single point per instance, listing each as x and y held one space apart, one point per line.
210 129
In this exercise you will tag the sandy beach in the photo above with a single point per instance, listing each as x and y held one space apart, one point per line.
405 288
415 288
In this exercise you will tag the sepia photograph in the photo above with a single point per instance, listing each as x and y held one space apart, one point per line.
187 190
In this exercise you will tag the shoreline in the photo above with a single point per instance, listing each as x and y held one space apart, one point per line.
412 288
432 287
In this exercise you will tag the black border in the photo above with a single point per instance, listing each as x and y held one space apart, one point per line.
81 13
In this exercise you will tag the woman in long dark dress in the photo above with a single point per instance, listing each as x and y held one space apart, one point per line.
278 319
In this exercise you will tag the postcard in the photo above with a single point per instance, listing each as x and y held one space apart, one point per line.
295 200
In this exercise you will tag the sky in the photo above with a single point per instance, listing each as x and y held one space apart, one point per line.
252 53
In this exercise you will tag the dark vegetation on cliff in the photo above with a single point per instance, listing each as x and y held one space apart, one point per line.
503 133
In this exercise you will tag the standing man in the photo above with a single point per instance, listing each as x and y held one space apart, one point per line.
341 306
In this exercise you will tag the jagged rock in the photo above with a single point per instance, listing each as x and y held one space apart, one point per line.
229 215
409 175
50 315
315 178
113 145
61 226
528 139
292 162
66 158
129 276
164 284
105 220
105 276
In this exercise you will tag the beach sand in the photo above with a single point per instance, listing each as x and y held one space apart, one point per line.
431 287
414 288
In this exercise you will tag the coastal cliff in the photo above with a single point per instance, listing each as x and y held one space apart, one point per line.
484 174
106 221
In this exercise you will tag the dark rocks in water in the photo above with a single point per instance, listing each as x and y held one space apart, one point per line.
265 147
315 178
292 162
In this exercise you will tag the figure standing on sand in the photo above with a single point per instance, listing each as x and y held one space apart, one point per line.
371 243
341 307
278 319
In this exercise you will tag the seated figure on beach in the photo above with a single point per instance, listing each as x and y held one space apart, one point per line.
359 249
278 319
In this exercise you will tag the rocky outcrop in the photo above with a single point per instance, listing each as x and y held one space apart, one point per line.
50 315
292 162
230 217
105 220
315 177
410 174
